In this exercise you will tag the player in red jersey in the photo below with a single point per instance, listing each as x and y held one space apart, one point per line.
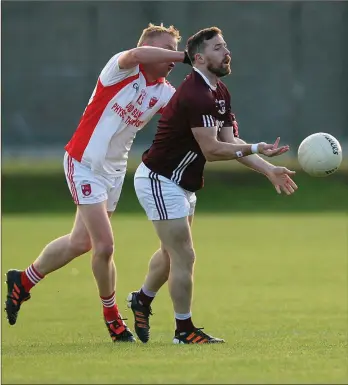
130 90
196 126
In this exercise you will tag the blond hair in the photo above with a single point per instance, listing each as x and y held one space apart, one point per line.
155 30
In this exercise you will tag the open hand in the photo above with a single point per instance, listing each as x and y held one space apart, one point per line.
271 150
280 177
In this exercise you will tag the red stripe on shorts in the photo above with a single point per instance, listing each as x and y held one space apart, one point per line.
71 180
73 183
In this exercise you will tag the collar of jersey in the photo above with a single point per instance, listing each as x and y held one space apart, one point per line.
205 78
157 81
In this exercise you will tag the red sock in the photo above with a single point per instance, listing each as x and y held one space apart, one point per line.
110 309
30 277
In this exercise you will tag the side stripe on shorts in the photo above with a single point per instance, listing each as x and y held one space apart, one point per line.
161 196
71 180
158 196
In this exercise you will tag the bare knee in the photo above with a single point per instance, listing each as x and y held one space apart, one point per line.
190 254
165 252
181 246
176 240
80 245
160 261
104 250
183 257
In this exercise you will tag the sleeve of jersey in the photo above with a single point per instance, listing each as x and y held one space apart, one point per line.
200 114
112 74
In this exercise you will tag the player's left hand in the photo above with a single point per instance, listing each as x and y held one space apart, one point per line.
272 150
280 177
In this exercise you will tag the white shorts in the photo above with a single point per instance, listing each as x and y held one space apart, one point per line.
88 188
160 197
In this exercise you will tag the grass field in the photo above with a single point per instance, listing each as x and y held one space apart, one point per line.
17 164
274 286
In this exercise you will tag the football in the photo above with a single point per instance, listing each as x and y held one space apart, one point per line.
320 154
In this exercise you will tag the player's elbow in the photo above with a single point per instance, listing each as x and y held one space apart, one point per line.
209 147
210 154
210 157
128 59
136 55
141 56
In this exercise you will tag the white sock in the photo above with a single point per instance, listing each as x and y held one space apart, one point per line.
182 317
149 293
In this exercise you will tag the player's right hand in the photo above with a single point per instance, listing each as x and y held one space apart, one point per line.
271 150
280 177
187 59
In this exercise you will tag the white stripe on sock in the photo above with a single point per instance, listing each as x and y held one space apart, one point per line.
31 276
34 273
149 293
110 302
182 317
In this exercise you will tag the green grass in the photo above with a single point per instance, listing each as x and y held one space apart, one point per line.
20 165
274 286
223 192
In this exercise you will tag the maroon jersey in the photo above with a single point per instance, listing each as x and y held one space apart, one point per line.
175 153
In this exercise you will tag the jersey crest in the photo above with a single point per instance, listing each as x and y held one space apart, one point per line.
221 105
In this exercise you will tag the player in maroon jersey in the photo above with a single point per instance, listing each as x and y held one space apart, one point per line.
196 126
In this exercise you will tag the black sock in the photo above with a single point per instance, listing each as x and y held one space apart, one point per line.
184 325
144 299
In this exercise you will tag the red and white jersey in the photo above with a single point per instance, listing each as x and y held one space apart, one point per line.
122 102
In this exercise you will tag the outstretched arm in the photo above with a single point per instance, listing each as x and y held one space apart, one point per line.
149 55
255 162
215 150
278 176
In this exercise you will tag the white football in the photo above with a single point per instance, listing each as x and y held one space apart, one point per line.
320 154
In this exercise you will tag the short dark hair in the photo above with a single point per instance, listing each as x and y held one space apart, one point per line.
196 43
